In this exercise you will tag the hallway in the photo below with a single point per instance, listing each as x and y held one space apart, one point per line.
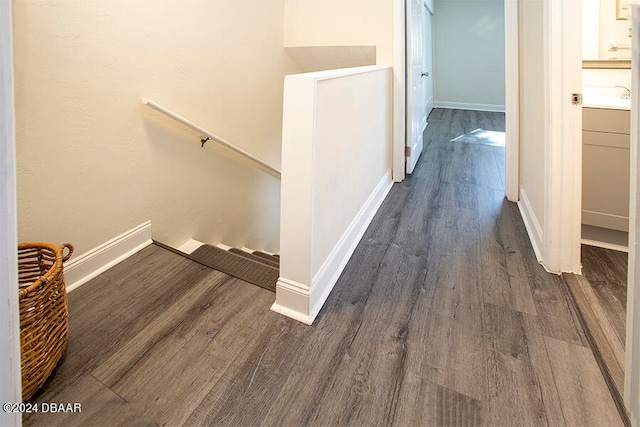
442 317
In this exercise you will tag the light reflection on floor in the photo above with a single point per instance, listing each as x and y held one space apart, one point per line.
481 136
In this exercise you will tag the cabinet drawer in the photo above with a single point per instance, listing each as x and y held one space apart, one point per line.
617 140
606 120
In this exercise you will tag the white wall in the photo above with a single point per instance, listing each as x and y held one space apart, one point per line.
340 23
606 77
336 158
613 29
10 391
469 58
532 124
94 163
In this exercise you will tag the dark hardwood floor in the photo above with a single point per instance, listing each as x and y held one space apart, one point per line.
442 317
601 296
606 271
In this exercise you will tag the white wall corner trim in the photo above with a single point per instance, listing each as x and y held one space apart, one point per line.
512 101
531 224
293 300
470 106
328 274
80 270
399 95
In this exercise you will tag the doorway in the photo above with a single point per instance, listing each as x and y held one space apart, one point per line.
511 101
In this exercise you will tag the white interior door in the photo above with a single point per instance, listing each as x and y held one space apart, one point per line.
428 48
416 87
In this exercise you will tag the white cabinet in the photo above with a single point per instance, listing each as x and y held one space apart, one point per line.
605 168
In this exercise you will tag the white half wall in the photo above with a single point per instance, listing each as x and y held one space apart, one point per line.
336 171
469 54
10 377
378 23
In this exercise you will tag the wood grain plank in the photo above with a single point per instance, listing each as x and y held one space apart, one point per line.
555 312
520 382
441 317
608 346
505 281
129 368
108 311
581 389
606 272
99 406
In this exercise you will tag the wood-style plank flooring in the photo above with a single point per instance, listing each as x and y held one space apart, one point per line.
601 296
442 317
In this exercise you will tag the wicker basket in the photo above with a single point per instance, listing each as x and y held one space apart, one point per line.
43 311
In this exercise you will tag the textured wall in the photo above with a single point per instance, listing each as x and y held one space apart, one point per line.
93 162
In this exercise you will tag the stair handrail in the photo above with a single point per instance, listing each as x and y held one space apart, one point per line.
210 136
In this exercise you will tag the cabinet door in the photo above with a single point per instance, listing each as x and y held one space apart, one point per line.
605 186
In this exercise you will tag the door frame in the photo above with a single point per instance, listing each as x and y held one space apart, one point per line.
632 350
562 52
512 101
512 95
399 94
10 373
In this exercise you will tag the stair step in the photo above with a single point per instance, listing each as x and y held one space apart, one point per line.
236 265
273 258
268 261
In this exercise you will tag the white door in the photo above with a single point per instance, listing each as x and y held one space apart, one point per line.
417 71
427 79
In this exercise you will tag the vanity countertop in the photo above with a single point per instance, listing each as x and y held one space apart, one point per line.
609 102
605 97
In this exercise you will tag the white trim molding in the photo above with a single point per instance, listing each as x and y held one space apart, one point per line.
512 102
10 377
328 274
80 270
399 91
531 223
632 348
302 302
562 136
469 106
292 300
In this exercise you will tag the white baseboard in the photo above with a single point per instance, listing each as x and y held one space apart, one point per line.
605 245
531 224
85 267
469 106
292 300
302 302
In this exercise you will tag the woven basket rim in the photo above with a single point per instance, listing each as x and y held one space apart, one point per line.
55 268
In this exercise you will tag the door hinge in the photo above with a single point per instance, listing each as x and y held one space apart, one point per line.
576 98
407 151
